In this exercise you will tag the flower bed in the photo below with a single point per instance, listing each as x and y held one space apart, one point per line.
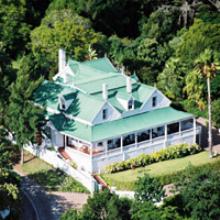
172 152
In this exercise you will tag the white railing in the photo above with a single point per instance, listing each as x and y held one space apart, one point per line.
146 144
73 151
51 157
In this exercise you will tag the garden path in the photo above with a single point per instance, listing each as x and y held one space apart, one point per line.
49 205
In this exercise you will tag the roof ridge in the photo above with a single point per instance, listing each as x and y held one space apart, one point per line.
101 78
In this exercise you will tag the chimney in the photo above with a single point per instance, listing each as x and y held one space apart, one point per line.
128 84
122 70
62 60
104 91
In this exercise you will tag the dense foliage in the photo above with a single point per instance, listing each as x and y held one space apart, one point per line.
160 40
149 189
196 196
9 181
173 152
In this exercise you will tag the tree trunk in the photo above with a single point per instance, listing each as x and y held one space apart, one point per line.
209 118
22 156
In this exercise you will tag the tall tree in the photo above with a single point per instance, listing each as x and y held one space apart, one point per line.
9 181
206 68
24 117
63 29
171 80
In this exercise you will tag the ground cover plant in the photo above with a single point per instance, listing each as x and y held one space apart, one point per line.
166 171
172 152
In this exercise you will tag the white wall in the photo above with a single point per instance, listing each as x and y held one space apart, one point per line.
51 157
57 138
101 161
162 101
82 160
123 102
113 114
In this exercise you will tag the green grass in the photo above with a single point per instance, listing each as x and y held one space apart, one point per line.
50 178
126 179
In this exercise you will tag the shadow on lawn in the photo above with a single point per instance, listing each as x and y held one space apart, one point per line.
49 179
29 159
56 180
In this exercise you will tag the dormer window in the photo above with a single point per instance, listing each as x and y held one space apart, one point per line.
154 101
62 103
104 114
130 104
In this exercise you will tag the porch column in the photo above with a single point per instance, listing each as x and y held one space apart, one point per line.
90 150
151 135
194 130
122 144
136 141
122 149
180 128
106 146
165 136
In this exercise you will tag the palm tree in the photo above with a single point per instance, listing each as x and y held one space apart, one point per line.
205 68
92 54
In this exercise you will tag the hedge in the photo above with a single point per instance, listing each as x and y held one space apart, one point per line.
172 152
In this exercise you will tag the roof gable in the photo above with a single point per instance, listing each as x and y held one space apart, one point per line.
82 106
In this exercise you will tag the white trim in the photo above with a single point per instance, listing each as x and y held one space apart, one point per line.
194 130
158 106
165 135
144 129
131 148
52 110
145 102
71 136
77 119
107 119
100 110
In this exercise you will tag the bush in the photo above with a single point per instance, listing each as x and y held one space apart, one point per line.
173 152
149 189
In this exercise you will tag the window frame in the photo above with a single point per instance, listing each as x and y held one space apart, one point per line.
104 114
130 104
154 101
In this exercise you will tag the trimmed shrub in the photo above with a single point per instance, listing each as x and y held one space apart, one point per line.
172 152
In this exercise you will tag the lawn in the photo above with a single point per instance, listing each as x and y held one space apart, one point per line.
47 176
126 179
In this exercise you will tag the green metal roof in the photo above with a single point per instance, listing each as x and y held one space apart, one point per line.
88 71
71 127
83 106
103 64
113 82
137 122
119 127
88 77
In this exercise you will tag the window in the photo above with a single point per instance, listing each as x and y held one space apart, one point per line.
187 124
130 104
114 143
154 101
143 136
129 139
104 114
100 144
173 128
62 104
158 132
